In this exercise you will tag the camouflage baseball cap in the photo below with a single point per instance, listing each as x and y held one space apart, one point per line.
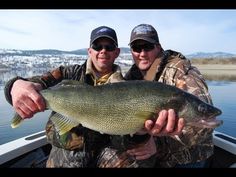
103 31
144 32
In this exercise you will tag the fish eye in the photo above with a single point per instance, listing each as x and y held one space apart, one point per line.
202 108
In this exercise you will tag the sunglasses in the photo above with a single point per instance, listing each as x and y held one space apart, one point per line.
99 47
145 47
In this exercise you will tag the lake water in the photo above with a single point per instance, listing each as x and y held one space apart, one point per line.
223 95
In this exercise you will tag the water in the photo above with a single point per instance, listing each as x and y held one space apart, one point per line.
7 112
223 95
29 126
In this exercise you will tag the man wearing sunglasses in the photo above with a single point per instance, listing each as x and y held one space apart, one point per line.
80 147
194 145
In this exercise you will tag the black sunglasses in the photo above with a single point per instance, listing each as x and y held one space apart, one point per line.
99 47
145 47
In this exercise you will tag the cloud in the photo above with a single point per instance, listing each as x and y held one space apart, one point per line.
187 31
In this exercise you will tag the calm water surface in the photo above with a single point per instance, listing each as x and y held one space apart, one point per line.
223 95
27 127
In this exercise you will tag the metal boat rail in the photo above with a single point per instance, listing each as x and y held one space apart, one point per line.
18 147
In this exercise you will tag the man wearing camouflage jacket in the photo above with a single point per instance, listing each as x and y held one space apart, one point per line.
194 146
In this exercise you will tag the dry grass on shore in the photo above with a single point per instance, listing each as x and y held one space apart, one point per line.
218 69
217 61
218 72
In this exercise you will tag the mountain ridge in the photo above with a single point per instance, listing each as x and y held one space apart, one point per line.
83 51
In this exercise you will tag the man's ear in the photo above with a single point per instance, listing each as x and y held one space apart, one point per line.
158 46
117 52
89 51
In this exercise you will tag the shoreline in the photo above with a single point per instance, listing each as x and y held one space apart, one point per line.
217 69
217 72
209 71
215 66
225 69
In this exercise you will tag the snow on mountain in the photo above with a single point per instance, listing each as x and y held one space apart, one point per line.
47 58
211 55
10 51
50 58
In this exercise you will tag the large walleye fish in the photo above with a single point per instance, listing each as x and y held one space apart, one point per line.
121 108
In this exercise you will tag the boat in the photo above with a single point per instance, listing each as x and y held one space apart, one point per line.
32 151
28 151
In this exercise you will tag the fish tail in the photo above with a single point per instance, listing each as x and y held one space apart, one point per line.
16 121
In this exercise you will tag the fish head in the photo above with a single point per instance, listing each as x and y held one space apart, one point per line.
208 114
208 111
201 114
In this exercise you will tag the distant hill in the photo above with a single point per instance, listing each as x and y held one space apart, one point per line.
124 50
41 52
83 51
211 55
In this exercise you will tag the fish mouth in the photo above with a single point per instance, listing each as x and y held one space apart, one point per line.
219 112
207 123
210 122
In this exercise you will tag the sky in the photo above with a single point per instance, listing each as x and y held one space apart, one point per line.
186 31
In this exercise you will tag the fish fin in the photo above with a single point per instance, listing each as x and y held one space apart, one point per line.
144 115
63 124
184 131
178 139
69 82
16 120
65 84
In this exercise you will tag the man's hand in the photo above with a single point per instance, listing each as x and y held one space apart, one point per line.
166 124
144 151
25 98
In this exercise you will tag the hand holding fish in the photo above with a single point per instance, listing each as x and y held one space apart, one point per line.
25 98
144 151
166 124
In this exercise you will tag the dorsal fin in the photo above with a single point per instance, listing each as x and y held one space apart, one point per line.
65 84
69 82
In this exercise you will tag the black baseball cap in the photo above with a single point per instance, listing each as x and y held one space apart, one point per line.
103 31
144 32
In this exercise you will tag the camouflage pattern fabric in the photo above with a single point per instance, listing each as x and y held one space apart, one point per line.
114 158
195 144
67 159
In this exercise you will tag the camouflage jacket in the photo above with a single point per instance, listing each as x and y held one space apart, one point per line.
82 147
195 144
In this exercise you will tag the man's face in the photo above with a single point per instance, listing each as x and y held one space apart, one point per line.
144 53
103 53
